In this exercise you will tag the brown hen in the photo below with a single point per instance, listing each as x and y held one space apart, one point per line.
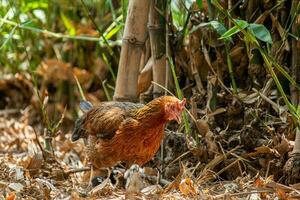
126 132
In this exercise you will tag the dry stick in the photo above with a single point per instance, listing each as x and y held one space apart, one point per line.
240 168
244 160
220 196
279 185
206 56
217 160
9 111
196 167
38 142
228 166
274 105
268 169
72 171
176 159
79 88
265 90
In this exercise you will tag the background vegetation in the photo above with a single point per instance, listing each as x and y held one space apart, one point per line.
237 62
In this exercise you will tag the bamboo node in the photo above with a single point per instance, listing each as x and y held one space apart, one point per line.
133 41
154 27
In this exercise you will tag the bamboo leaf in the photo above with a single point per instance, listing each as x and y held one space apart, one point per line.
261 32
241 24
111 33
217 26
68 24
9 37
5 17
179 93
32 5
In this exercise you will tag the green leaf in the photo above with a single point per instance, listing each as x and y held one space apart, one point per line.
234 30
111 33
68 24
219 27
9 37
261 32
4 18
199 3
37 4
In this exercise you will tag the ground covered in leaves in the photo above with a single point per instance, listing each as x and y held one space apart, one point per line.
239 153
241 133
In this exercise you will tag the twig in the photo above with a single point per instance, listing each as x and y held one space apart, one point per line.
176 159
79 88
38 143
9 111
60 35
72 171
242 193
274 105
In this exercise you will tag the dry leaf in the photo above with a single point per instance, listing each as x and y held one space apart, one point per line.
259 182
283 147
11 196
202 126
16 186
187 187
145 77
53 70
281 194
263 150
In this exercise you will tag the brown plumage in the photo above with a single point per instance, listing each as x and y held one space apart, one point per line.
126 132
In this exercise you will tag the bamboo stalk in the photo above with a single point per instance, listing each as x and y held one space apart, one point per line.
295 94
157 30
135 35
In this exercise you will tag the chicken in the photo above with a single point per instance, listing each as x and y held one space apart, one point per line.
126 132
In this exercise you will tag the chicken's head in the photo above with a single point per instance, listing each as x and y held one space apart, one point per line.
174 108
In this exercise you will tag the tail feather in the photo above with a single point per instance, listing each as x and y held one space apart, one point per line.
78 131
85 106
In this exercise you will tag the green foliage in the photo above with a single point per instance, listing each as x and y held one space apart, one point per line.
258 30
218 26
241 24
27 27
261 32
179 11
250 36
179 94
199 3
68 24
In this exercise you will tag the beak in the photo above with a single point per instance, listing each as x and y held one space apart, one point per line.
182 102
181 105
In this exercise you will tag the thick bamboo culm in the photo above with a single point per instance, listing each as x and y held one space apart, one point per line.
157 30
134 38
295 60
